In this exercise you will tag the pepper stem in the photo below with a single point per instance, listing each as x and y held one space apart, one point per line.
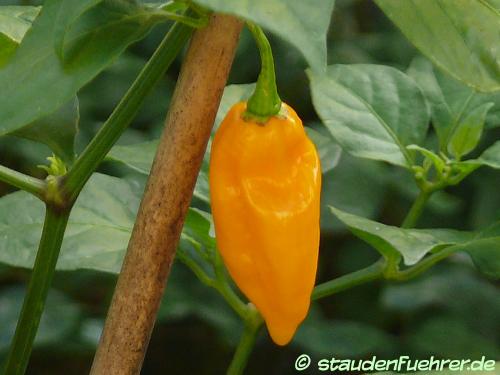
265 101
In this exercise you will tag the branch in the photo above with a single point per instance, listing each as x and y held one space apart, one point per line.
370 273
38 288
168 193
253 322
225 289
24 182
424 264
416 209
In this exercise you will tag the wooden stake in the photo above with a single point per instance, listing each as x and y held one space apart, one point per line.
156 233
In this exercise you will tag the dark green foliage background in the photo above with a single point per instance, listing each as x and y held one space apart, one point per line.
451 311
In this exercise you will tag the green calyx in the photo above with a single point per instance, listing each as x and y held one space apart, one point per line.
265 101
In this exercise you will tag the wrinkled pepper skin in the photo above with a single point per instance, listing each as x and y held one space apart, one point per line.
265 182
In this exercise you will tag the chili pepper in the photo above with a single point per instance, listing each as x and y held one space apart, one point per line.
265 182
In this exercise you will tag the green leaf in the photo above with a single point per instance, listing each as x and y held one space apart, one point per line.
438 163
38 82
454 288
303 23
232 95
106 28
59 318
495 4
459 36
140 156
451 101
186 297
466 136
98 231
14 23
329 151
413 244
493 117
16 20
97 235
347 339
57 130
485 251
198 243
356 186
490 157
455 107
373 111
447 337
486 256
69 12
7 49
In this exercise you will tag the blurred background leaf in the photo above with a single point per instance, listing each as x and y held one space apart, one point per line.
448 32
59 320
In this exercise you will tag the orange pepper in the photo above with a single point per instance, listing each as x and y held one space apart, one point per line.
265 182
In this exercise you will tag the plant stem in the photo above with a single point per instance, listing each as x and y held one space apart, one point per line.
39 284
224 288
424 264
376 271
416 209
370 273
24 182
232 298
190 21
126 110
247 341
221 284
265 101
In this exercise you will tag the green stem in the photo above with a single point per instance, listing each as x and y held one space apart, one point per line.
232 298
424 264
370 273
24 182
189 21
252 324
416 209
265 101
376 271
222 285
126 110
197 270
38 288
